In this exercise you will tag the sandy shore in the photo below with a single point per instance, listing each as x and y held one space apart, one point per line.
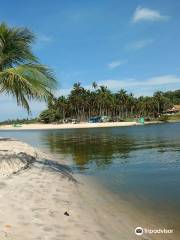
36 191
68 125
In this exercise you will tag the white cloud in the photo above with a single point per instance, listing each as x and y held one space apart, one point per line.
137 45
146 87
42 41
44 38
63 92
154 81
146 14
165 79
115 64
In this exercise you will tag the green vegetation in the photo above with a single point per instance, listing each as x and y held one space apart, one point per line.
163 118
49 115
19 121
174 96
21 74
175 117
82 104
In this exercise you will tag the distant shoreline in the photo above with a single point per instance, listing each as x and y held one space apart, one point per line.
41 126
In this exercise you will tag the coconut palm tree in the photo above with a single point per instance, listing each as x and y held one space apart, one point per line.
62 105
21 74
94 85
158 99
122 98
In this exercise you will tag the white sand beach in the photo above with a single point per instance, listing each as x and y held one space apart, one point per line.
34 199
69 125
35 192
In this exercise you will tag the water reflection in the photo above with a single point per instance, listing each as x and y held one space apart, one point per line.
100 148
89 149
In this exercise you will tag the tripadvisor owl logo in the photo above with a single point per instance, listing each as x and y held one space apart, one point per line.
139 231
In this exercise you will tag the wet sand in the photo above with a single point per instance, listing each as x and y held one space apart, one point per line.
119 217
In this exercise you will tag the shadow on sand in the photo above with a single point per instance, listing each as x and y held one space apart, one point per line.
15 163
54 166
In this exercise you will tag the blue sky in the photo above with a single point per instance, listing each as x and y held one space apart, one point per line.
122 44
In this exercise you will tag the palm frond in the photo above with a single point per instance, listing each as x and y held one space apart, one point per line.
26 82
21 75
15 46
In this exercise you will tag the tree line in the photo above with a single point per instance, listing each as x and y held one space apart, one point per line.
82 104
25 78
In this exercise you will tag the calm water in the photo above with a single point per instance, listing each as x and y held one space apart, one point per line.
141 164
